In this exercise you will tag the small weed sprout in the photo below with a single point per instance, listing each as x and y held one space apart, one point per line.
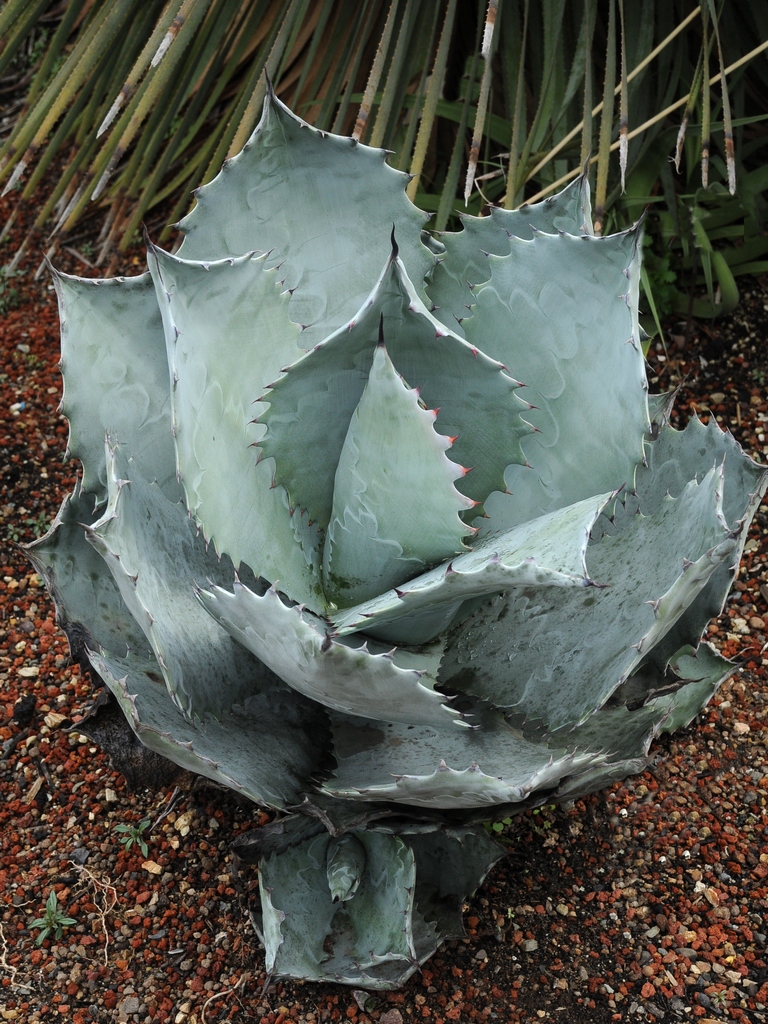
10 297
499 826
134 834
53 921
17 531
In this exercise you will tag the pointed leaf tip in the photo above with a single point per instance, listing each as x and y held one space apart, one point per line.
271 95
395 247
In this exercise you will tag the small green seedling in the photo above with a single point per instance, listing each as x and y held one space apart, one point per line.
54 920
719 999
134 834
498 826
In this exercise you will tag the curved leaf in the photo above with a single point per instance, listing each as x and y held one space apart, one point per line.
269 749
155 556
228 334
548 551
298 192
558 654
112 346
369 680
89 607
557 308
678 455
425 766
311 406
465 264
393 476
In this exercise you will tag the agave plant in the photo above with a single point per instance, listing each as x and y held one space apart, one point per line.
384 531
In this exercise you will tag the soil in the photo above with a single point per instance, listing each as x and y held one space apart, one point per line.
647 902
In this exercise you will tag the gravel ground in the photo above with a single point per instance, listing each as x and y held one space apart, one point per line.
644 903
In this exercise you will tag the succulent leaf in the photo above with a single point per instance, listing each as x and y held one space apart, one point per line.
89 607
297 193
155 556
213 315
497 763
425 766
301 649
659 409
625 730
553 310
678 456
113 355
409 896
673 459
308 935
450 864
345 865
279 737
393 476
701 673
307 422
267 749
548 551
465 263
571 648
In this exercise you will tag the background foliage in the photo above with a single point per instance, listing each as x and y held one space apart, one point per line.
136 101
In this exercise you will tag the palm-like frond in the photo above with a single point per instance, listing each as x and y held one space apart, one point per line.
135 100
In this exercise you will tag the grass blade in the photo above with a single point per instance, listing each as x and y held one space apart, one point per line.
518 120
482 103
448 191
391 97
705 105
623 104
606 122
377 69
590 14
165 30
698 77
727 125
18 29
433 91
